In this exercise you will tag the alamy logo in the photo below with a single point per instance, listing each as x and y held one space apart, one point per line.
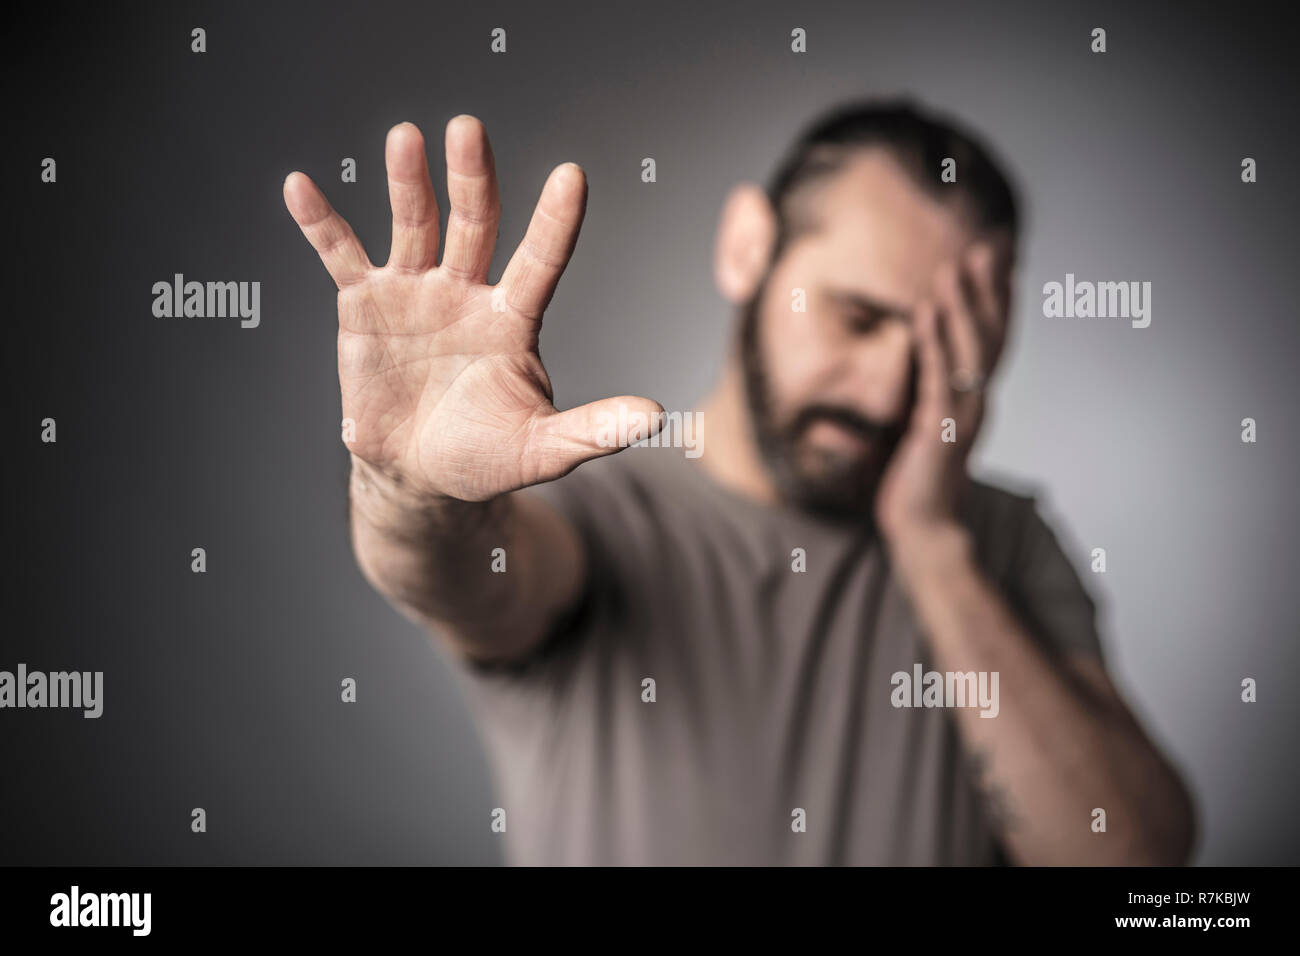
75 908
1098 300
57 689
675 430
210 300
946 689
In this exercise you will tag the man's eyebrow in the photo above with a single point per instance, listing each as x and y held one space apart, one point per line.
871 304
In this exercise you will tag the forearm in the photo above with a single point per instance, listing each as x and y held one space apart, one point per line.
1055 751
436 560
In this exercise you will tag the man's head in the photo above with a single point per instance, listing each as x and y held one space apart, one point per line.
826 266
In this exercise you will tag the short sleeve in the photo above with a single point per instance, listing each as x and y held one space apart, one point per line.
1048 592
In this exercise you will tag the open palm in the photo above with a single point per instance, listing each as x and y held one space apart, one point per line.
439 370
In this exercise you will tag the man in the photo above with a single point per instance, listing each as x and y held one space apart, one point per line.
725 659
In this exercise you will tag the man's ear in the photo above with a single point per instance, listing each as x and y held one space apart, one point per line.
746 234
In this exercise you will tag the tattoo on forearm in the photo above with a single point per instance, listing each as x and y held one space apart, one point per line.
997 805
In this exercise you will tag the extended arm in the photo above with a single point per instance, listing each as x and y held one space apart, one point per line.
446 404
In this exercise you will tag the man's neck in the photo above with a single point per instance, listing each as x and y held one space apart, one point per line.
731 454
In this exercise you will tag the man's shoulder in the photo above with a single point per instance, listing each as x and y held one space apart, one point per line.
1036 556
1000 505
1004 492
1009 518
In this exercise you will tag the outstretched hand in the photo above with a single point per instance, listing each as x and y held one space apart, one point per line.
439 370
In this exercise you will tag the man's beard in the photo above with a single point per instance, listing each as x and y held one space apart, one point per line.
839 487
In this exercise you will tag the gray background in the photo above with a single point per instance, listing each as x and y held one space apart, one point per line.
222 689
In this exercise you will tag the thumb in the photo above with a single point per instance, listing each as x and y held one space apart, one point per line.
564 440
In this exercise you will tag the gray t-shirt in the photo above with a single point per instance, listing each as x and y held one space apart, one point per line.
772 687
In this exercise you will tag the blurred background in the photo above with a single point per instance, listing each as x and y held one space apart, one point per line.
222 689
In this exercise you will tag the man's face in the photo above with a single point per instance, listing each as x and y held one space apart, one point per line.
830 388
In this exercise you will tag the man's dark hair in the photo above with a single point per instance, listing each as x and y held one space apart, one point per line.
918 140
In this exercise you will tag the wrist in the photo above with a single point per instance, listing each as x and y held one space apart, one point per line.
387 502
377 486
931 551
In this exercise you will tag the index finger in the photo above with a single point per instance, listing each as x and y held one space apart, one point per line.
329 233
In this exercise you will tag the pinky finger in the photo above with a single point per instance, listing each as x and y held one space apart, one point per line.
329 233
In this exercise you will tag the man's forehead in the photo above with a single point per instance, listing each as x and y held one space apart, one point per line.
872 215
